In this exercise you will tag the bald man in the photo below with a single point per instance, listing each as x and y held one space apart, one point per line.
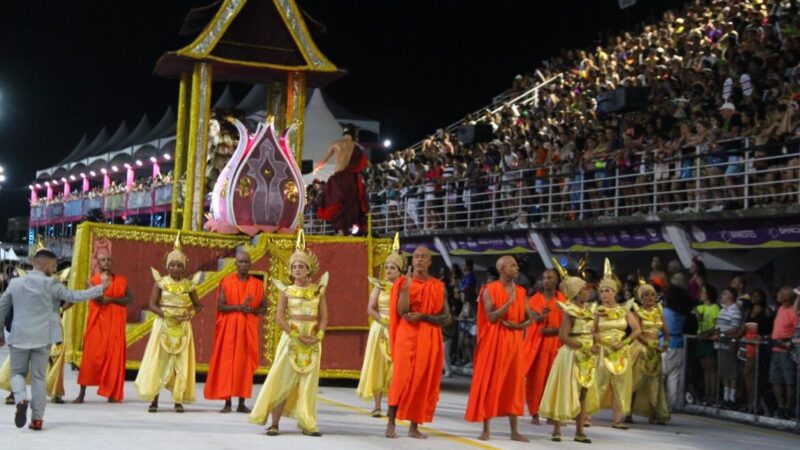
498 379
104 346
417 311
234 360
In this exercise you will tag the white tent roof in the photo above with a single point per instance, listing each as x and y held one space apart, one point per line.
321 128
11 255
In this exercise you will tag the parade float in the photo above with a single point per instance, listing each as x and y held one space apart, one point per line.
252 200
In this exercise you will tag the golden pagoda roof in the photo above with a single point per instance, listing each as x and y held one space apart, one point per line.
252 42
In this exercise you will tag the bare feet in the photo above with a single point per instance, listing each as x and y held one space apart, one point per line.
535 419
391 432
416 434
113 400
225 409
242 409
519 438
484 436
78 400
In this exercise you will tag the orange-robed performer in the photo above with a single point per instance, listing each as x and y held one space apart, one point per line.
417 311
541 340
498 380
234 359
104 345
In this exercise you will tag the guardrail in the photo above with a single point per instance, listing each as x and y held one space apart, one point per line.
698 180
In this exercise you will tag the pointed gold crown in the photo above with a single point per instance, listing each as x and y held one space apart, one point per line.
644 286
395 257
39 246
176 254
609 281
562 272
302 255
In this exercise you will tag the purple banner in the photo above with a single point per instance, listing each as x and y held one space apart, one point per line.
620 239
737 233
516 242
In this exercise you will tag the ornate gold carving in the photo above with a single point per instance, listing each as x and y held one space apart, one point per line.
290 192
267 172
243 187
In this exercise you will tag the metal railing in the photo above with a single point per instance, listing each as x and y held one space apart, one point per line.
744 364
695 181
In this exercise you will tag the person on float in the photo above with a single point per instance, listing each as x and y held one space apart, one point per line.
169 358
614 373
569 393
376 371
302 315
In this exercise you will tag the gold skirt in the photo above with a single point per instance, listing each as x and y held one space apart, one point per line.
376 372
650 396
571 376
293 378
168 362
616 386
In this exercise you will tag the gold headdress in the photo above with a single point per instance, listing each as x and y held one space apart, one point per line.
644 286
562 272
571 286
176 254
302 255
396 257
40 246
609 281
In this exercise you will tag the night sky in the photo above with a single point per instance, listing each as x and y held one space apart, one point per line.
69 68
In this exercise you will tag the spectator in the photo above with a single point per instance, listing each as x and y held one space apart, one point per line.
677 306
707 313
783 370
728 327
758 325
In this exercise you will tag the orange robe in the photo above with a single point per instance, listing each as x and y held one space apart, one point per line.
235 357
541 351
104 345
498 379
417 351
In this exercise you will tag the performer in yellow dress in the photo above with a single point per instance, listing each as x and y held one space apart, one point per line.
614 372
376 372
650 397
291 386
169 360
570 384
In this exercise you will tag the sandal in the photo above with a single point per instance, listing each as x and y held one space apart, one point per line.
582 439
555 437
179 408
619 426
273 431
376 413
10 400
152 409
312 433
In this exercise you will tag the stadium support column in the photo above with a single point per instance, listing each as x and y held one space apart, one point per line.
182 128
276 104
442 249
680 241
200 109
537 240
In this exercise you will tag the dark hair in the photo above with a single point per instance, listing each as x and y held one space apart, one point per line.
733 293
45 254
711 292
761 293
701 268
350 130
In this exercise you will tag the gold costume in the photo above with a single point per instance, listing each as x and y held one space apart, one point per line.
648 384
294 375
376 372
169 360
573 369
614 374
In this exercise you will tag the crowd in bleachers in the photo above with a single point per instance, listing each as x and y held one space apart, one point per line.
141 184
722 79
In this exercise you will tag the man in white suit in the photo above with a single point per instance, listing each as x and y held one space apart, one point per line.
36 325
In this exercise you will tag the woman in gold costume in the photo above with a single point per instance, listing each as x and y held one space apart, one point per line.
570 384
376 372
293 380
614 372
650 397
168 360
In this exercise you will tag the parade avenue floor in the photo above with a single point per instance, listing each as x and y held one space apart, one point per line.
344 420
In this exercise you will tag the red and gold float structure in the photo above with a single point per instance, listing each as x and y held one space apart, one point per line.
256 41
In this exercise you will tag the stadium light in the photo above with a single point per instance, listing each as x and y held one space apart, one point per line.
47 183
127 166
2 178
72 178
30 187
103 171
139 162
2 169
38 186
92 173
115 168
387 143
83 175
153 159
167 157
